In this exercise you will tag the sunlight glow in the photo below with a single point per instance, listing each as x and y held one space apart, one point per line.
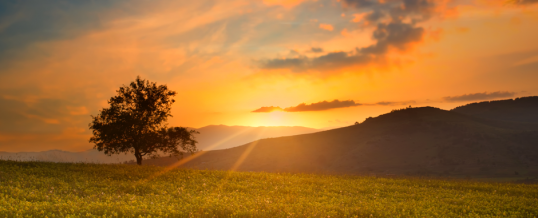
246 152
276 118
192 157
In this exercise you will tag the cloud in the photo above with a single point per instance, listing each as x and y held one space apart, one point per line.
396 35
316 50
77 110
479 96
325 26
396 27
394 103
327 105
284 3
267 109
358 17
526 61
37 21
322 105
524 2
40 116
286 63
325 62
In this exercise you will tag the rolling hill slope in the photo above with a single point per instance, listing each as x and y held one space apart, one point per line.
523 110
412 141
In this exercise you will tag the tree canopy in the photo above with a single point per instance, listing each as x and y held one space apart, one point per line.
135 123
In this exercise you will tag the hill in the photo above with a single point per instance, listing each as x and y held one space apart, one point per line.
523 110
412 141
216 137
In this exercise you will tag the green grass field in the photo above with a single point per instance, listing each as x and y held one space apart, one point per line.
36 189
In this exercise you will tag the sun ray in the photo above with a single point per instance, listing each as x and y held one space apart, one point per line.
194 156
247 151
244 155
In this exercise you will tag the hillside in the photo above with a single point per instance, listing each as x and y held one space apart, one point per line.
523 110
412 141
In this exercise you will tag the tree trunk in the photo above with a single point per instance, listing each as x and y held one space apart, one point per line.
138 157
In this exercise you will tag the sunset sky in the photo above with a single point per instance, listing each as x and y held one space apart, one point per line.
312 63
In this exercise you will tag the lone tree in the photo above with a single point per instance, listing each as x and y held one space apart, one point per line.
135 122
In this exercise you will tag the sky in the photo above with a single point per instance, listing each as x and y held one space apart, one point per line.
312 63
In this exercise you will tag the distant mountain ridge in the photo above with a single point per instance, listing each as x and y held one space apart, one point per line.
411 141
524 109
491 138
211 137
214 137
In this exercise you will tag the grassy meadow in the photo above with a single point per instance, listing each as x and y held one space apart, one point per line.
39 189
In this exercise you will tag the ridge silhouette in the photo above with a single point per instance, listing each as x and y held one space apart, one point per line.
410 141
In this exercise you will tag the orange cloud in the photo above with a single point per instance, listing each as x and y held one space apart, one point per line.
77 110
479 96
397 29
43 119
358 17
284 3
322 105
462 29
326 26
507 2
525 61
344 32
267 109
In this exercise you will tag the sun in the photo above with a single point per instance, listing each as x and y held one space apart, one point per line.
276 118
